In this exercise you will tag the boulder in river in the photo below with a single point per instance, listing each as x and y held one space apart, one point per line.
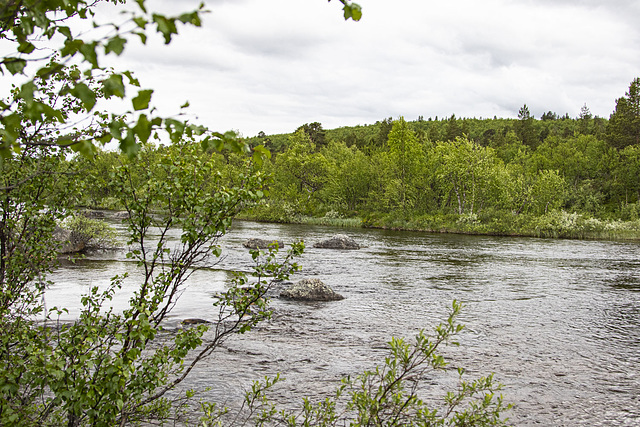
339 241
262 243
121 215
310 290
70 241
93 214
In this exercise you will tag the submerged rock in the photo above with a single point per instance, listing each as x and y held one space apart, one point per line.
262 243
310 290
339 241
194 321
93 214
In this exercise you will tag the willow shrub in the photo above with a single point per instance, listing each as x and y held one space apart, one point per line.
94 232
107 367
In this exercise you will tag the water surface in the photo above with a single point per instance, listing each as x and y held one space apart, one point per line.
558 321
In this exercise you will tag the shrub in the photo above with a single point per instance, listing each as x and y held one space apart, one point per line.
92 232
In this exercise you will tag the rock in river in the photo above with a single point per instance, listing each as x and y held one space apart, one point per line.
194 321
310 290
121 215
261 243
339 241
69 241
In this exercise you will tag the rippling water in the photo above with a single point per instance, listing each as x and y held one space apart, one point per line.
558 321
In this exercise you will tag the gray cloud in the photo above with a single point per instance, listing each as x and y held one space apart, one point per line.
275 65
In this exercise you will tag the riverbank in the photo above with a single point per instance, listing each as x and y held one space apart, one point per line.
556 224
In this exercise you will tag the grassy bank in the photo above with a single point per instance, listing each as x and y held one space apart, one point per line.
557 224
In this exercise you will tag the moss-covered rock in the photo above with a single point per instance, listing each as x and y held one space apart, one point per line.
310 290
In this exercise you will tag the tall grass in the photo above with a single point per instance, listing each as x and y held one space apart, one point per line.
334 222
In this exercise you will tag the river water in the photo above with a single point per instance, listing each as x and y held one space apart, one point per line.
557 321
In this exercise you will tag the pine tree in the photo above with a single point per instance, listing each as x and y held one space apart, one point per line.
524 127
584 119
624 123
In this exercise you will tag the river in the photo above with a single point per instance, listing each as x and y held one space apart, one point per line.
557 321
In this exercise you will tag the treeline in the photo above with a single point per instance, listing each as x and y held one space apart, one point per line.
548 176
493 175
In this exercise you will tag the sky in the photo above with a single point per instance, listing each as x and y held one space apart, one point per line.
273 65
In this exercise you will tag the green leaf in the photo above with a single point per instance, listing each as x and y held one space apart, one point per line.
353 11
140 22
141 102
141 5
50 69
85 148
26 47
192 18
143 36
143 128
27 90
113 86
71 47
86 95
14 65
115 128
132 80
88 50
65 31
105 138
115 45
260 153
128 145
12 124
165 26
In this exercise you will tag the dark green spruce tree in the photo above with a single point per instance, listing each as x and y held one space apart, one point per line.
624 123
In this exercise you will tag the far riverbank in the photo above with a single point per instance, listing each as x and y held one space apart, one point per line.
556 224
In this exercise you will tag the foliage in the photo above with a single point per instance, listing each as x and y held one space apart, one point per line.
351 10
26 24
350 176
315 132
303 172
108 368
524 127
93 232
573 225
29 211
468 172
330 220
624 122
407 160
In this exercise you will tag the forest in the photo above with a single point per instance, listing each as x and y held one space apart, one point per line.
555 176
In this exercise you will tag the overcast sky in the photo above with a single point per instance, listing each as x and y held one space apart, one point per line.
273 65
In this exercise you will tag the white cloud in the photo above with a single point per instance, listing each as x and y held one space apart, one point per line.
274 65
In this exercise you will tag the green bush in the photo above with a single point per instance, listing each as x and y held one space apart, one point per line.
630 211
561 224
93 232
272 211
